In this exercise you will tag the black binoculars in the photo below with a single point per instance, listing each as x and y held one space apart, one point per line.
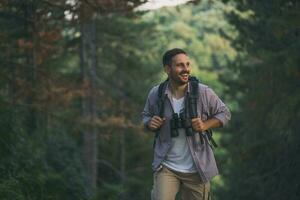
181 121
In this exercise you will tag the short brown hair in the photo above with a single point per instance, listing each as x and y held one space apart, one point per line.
168 55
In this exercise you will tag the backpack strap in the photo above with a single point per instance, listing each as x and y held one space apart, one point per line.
161 98
192 106
193 96
192 100
161 104
209 134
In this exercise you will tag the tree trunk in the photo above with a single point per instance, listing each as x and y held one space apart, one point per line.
31 74
89 112
123 163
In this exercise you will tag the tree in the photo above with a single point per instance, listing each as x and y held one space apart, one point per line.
263 144
39 156
88 11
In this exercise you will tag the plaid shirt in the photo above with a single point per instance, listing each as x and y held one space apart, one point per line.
209 105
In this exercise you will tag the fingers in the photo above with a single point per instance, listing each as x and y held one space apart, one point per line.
158 119
156 122
195 120
197 124
153 126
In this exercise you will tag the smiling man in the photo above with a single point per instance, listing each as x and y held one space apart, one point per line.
181 111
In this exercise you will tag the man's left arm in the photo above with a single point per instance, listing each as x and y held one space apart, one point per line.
200 126
218 112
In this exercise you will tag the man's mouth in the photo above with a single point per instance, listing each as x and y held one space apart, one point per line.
185 76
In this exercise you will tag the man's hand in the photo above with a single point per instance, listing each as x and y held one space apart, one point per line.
155 123
198 125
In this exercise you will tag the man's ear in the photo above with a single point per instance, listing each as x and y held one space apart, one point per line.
167 69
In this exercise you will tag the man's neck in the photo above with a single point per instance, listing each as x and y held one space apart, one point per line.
177 90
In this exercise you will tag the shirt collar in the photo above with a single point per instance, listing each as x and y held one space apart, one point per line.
169 93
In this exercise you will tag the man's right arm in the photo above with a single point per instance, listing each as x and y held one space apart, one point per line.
147 112
155 123
151 121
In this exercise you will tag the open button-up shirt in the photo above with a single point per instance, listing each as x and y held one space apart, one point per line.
209 105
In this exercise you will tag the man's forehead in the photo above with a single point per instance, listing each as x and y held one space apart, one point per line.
180 58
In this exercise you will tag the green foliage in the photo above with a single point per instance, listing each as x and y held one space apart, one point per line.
39 158
264 145
38 166
203 31
41 86
130 52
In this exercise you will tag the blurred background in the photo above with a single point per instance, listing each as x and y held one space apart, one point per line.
75 74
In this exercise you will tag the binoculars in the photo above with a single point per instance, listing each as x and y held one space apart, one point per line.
181 121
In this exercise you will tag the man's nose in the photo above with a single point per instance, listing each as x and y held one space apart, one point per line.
185 67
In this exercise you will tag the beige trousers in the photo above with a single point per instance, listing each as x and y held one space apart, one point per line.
167 183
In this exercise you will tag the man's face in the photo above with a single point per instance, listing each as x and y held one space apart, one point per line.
179 70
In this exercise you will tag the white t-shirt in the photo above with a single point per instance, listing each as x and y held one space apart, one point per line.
179 157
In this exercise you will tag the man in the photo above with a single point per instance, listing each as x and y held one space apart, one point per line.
183 157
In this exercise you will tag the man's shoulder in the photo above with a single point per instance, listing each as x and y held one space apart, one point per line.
153 93
154 89
203 87
205 90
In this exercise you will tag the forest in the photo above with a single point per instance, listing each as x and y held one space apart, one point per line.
75 75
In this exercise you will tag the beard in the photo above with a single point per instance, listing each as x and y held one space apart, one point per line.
181 79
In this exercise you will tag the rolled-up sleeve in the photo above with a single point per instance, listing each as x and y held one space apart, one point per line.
217 108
